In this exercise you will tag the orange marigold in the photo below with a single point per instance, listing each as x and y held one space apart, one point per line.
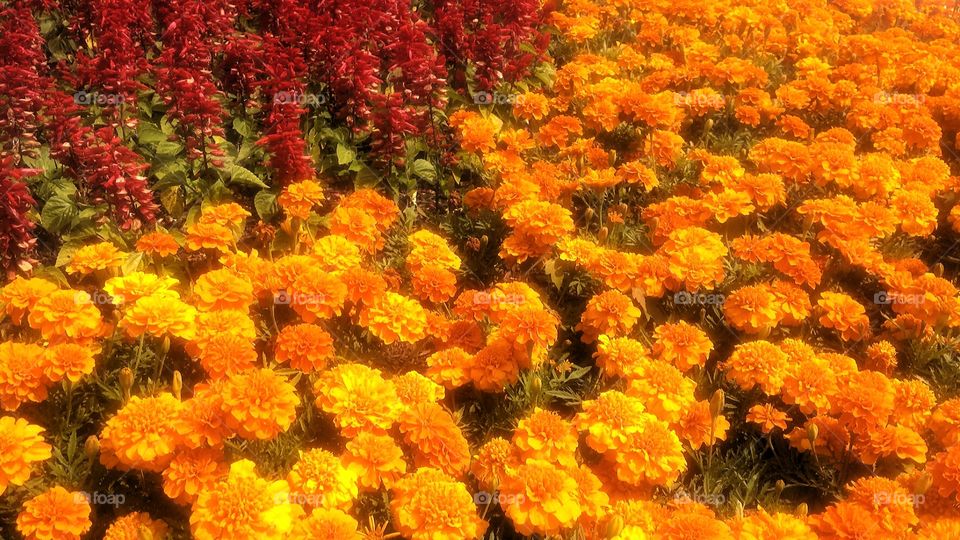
306 347
223 289
394 317
137 526
259 403
359 398
55 514
21 447
192 472
435 437
319 478
540 498
431 505
375 460
142 435
93 257
611 313
158 243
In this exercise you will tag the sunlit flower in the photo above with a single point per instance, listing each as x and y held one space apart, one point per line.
21 448
137 526
142 435
259 403
319 478
540 498
93 257
359 398
55 514
306 347
767 417
431 505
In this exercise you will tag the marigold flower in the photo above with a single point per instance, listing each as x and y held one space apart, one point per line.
374 460
68 361
663 390
66 314
259 403
394 317
412 387
682 345
698 426
306 347
493 462
757 363
159 316
299 198
135 285
142 435
762 525
695 257
243 505
431 505
494 366
20 295
866 402
226 214
545 435
751 309
359 398
22 374
223 289
326 524
767 417
611 313
609 419
651 456
945 422
357 226
434 283
214 323
843 314
363 286
540 498
621 357
227 354
55 513
209 236
191 472
93 257
21 447
435 438
315 294
449 367
137 526
158 243
320 479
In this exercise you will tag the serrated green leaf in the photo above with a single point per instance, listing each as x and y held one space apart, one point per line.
58 214
422 168
243 176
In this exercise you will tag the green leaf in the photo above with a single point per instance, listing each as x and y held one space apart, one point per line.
244 126
58 214
424 169
132 264
243 176
148 133
266 204
66 253
168 149
172 201
345 154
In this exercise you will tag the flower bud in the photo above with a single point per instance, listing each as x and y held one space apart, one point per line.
604 232
588 215
717 402
802 510
126 382
91 447
778 488
536 385
177 385
614 526
813 431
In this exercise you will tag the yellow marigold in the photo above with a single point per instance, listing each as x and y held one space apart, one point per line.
540 498
621 357
757 363
337 254
477 133
191 472
698 427
20 295
433 283
357 226
427 248
449 367
693 524
223 289
682 345
751 309
299 198
537 227
21 447
93 257
209 236
158 243
609 419
320 478
768 417
375 460
226 214
315 294
435 438
256 269
135 285
69 361
494 366
663 390
763 526
545 435
611 313
137 526
142 435
412 387
66 314
431 505
22 377
651 456
213 323
243 505
492 462
259 403
394 317
359 398
326 524
695 257
159 316
55 514
843 314
227 354
306 347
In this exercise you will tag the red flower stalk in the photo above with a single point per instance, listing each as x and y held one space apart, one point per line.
16 230
21 80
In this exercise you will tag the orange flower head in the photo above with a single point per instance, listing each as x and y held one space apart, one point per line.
545 435
137 526
22 447
449 367
306 347
299 198
158 243
192 472
493 461
67 314
412 387
611 313
394 317
209 236
142 435
768 417
757 363
259 403
135 285
55 514
160 316
375 460
327 524
609 419
69 361
435 437
431 505
22 374
315 294
20 295
681 344
337 254
359 398
93 257
223 289
320 479
227 354
540 498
